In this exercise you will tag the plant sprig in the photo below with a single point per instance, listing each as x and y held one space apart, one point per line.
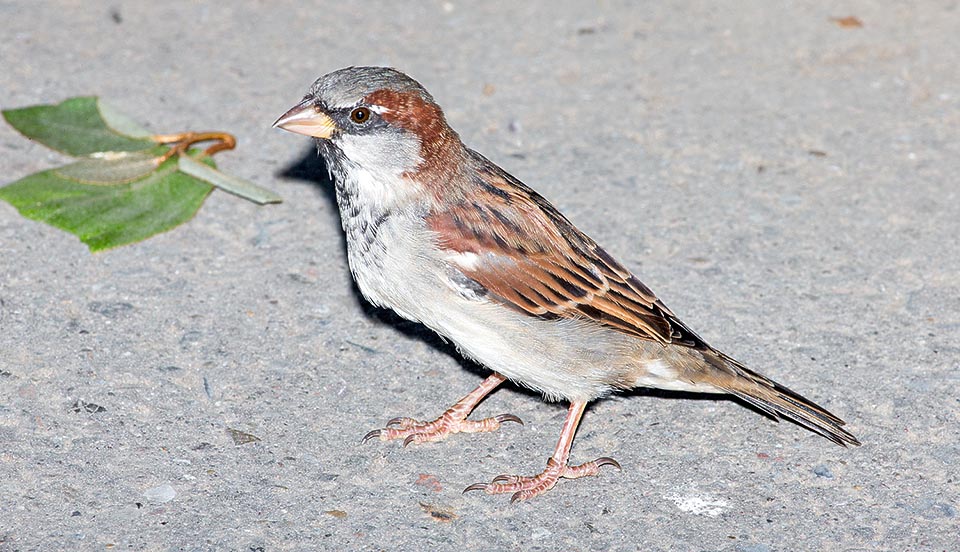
127 184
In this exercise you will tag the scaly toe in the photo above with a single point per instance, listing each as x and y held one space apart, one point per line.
527 487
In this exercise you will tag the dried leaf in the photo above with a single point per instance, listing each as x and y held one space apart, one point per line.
437 513
429 481
848 22
241 437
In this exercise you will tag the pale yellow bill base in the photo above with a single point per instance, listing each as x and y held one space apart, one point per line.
305 118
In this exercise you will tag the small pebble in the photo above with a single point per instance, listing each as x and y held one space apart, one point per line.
160 495
823 471
110 309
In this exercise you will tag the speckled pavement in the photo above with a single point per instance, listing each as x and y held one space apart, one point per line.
784 179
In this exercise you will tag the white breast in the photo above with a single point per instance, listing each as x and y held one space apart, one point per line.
396 265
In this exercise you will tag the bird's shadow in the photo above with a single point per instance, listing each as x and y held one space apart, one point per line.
311 168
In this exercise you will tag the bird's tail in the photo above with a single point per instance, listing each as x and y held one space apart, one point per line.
775 399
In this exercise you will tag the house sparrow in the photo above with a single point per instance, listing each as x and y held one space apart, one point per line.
444 237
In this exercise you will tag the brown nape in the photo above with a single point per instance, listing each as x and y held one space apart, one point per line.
438 142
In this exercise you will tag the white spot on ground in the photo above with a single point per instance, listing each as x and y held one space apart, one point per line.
160 495
540 533
701 505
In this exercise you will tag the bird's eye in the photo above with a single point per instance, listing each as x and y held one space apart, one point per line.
360 115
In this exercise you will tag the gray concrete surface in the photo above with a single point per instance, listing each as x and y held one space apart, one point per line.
786 184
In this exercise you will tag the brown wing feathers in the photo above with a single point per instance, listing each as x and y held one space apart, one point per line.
533 259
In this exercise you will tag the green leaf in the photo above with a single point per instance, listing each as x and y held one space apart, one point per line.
76 127
226 182
120 122
106 216
112 167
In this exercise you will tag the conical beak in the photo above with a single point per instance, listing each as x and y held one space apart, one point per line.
305 118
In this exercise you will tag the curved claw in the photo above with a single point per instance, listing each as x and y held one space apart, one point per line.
370 435
410 439
504 478
517 496
475 487
607 461
399 421
508 418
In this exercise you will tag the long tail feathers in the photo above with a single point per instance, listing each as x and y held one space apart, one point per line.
776 400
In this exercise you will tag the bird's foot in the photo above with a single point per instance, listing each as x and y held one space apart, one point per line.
450 422
526 487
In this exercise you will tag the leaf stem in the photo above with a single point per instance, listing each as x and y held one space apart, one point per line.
183 140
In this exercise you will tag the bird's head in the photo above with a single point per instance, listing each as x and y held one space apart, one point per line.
377 119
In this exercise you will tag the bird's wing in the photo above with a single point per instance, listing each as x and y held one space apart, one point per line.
516 245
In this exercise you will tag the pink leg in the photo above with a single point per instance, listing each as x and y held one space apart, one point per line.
454 420
525 487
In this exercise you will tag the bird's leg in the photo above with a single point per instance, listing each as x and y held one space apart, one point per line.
454 420
524 487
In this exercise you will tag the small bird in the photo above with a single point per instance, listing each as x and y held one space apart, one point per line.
444 237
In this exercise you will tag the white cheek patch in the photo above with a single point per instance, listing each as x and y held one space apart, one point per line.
385 154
